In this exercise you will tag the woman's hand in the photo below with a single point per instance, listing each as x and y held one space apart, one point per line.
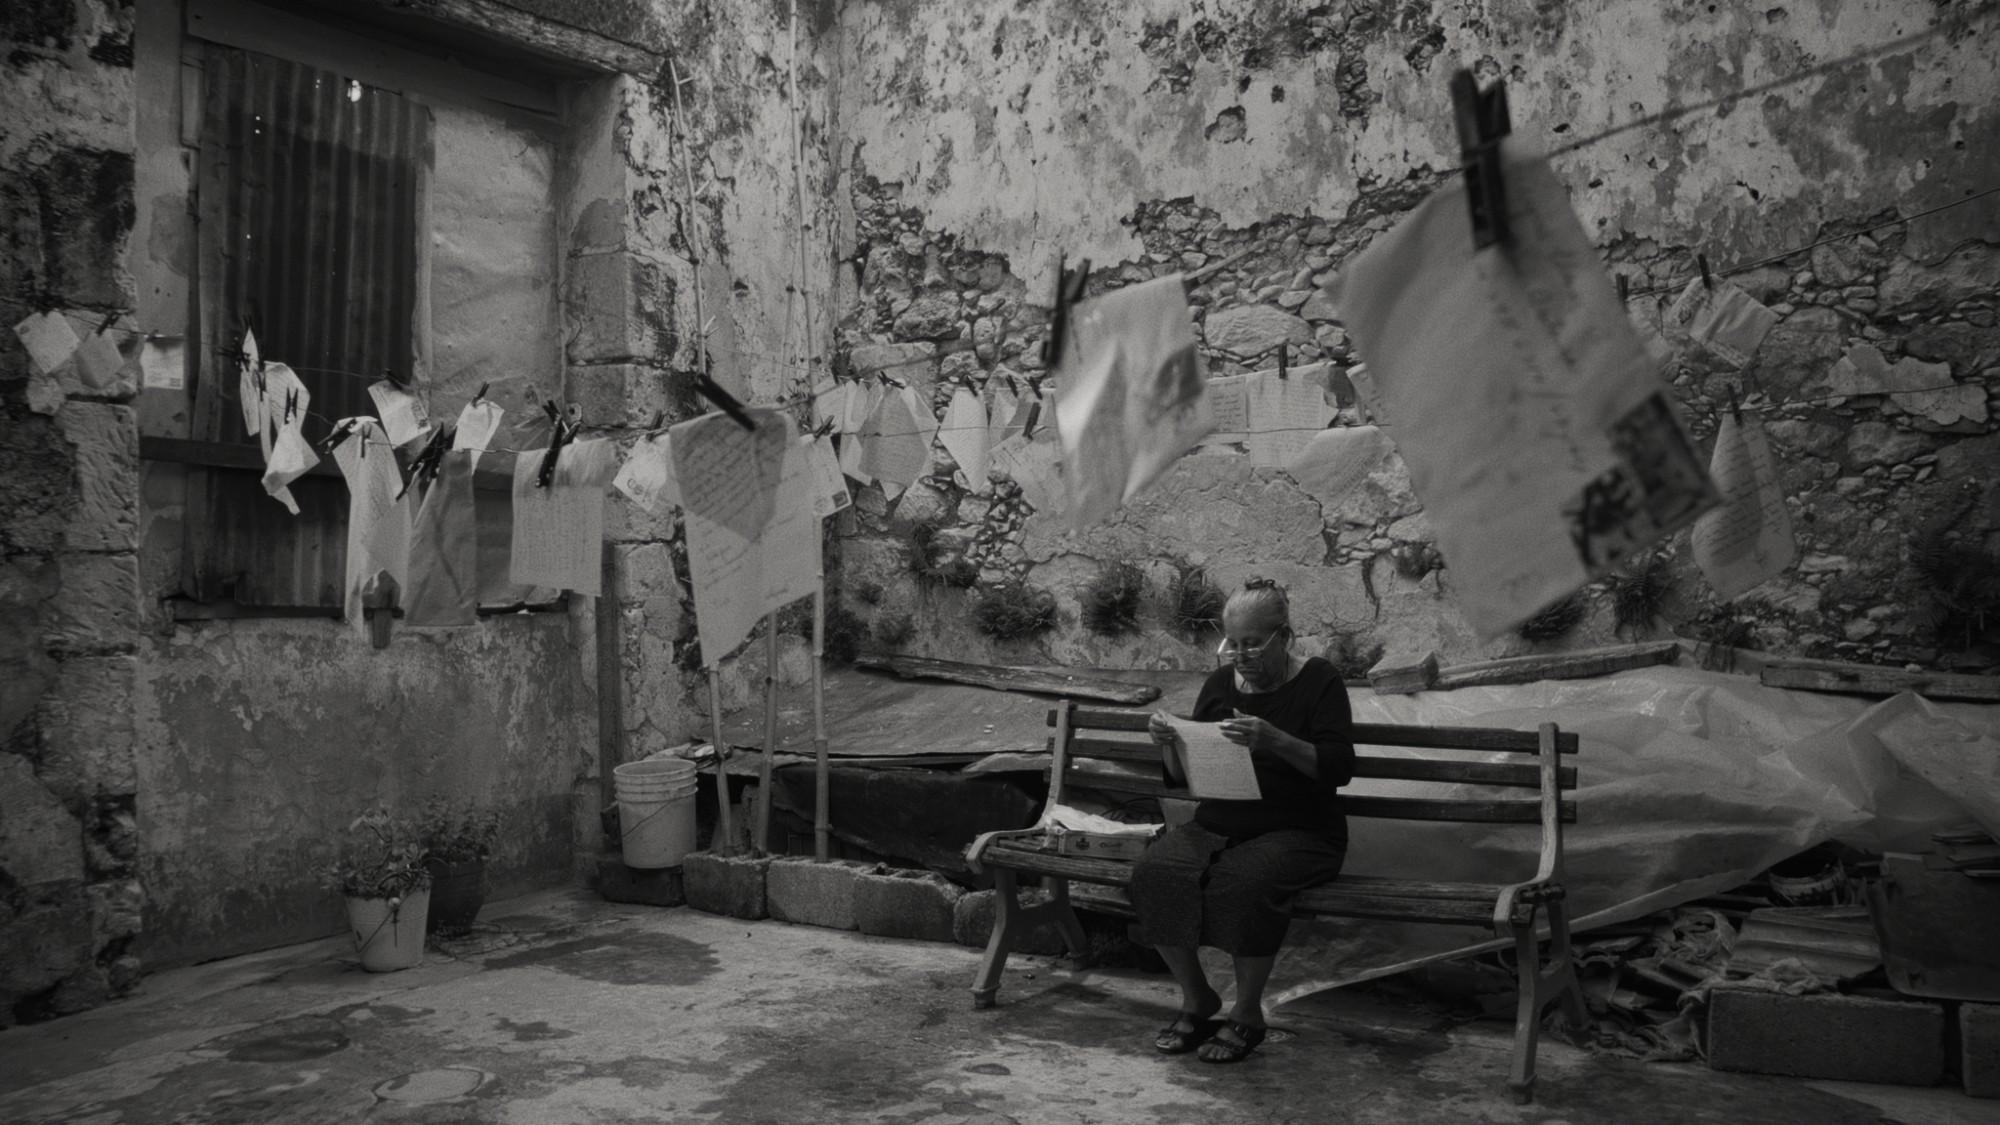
1161 730
1256 734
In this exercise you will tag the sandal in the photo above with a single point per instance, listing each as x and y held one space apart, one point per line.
1172 1040
1220 1050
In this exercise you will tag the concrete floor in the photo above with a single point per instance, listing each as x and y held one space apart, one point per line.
563 1008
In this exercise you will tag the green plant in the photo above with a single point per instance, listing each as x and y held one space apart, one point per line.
1960 591
1197 601
868 592
935 563
382 857
1351 660
1638 593
1111 601
455 833
1013 610
844 630
1556 621
894 630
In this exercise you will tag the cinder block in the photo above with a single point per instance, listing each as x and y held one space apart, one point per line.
1850 1038
905 904
1979 1049
972 924
732 885
814 894
654 887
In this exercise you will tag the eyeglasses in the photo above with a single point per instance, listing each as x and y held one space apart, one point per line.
1231 648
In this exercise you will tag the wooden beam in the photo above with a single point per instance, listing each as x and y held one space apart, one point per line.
1867 679
559 40
1046 681
1579 665
1404 673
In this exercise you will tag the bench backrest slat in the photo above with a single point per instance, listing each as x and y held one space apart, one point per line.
1365 734
1101 735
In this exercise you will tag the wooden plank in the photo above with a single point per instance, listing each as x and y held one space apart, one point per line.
1468 812
1519 775
560 40
1578 665
1115 750
1365 734
217 455
1403 673
1124 783
1110 872
1332 900
1459 738
1377 886
1867 679
1004 677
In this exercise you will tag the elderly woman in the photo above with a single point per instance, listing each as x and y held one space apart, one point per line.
1226 879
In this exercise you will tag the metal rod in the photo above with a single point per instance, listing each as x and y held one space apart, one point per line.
822 802
725 829
763 841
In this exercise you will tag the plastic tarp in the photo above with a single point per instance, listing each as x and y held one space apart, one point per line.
1689 783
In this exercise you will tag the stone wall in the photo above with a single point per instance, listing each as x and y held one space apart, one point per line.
167 790
978 143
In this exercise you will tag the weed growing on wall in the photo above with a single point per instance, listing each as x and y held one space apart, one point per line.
1111 601
1197 603
1638 594
1013 611
1557 621
894 630
1351 659
1960 590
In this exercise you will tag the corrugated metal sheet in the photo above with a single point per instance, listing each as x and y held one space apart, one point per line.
309 202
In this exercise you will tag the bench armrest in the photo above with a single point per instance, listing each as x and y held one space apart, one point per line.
977 849
1547 882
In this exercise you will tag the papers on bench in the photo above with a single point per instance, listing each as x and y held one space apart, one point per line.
1076 820
1217 769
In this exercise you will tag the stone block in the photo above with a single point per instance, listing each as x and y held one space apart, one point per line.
933 317
88 731
624 310
814 894
1252 330
117 910
731 885
106 440
40 841
905 904
1979 1049
1210 509
972 924
97 608
1403 673
912 363
86 216
1850 1038
657 887
646 572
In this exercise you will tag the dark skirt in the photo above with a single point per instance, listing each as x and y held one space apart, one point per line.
1194 887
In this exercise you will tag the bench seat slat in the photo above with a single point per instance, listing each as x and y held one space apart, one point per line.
1477 812
1365 734
1332 900
1520 775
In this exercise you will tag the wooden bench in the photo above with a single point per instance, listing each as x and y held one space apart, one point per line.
1098 748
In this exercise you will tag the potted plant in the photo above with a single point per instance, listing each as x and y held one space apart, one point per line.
381 873
457 839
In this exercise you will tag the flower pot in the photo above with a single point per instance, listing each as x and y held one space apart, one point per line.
458 890
389 937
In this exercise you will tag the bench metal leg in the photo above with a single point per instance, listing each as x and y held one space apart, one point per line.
1539 986
1012 921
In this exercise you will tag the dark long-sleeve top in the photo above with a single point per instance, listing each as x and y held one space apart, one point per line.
1311 705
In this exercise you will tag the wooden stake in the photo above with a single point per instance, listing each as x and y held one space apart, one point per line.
725 828
822 820
763 840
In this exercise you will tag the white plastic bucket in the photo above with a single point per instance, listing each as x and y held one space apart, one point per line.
656 811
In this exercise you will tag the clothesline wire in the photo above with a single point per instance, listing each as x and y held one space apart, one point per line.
1944 28
1793 253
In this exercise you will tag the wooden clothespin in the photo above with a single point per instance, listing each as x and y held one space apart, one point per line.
1624 289
291 403
427 464
1482 120
1069 290
659 423
109 319
1284 361
1735 405
824 429
481 396
840 365
560 433
1707 280
395 380
1034 415
725 402
379 605
340 432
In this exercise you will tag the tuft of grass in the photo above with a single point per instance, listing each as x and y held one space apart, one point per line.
1197 602
894 630
1111 601
1557 621
937 565
1351 660
1638 594
868 592
1014 610
1960 588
